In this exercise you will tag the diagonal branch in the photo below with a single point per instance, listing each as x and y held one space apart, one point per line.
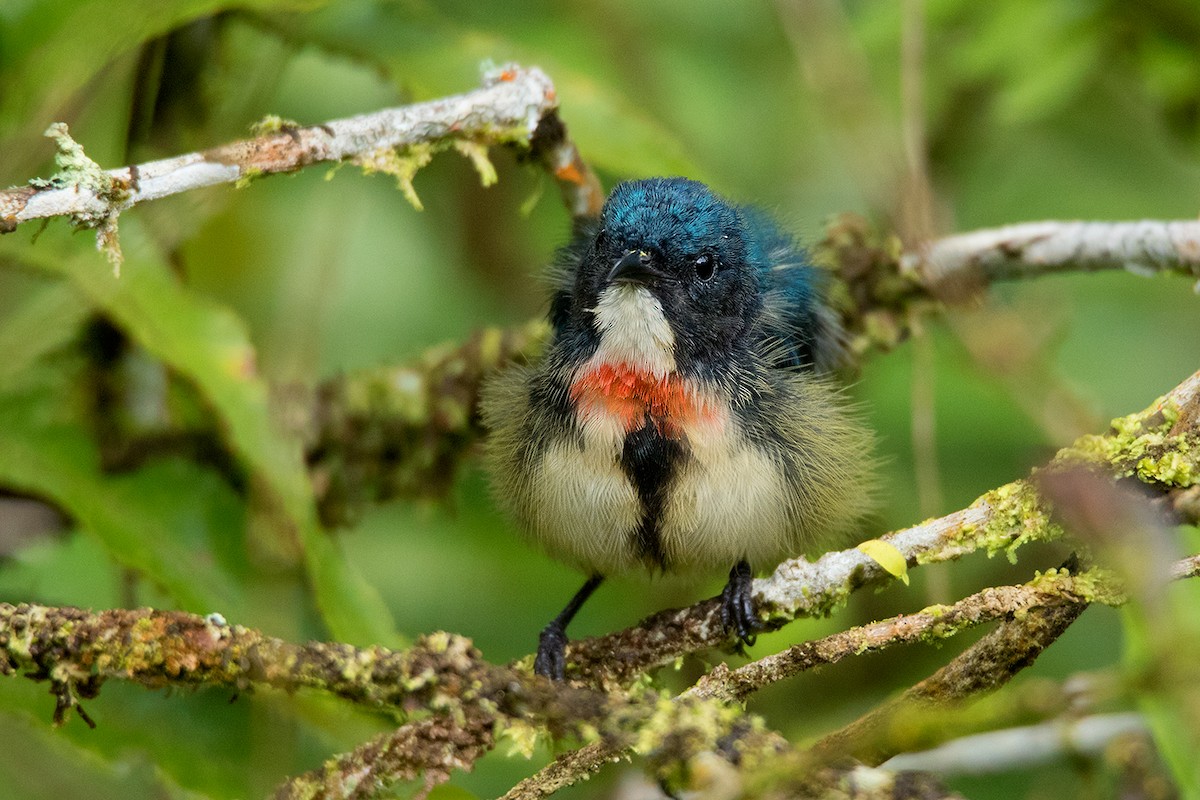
1157 445
935 623
508 109
432 748
984 667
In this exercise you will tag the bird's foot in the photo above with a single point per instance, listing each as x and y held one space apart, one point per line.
551 659
737 606
551 656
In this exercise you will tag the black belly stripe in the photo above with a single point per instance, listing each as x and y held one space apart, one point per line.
649 459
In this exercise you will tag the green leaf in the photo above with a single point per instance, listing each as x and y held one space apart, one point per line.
207 344
44 322
47 453
40 764
67 42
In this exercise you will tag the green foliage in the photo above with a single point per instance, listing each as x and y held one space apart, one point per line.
1083 110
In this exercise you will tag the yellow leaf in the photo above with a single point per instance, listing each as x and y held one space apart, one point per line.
887 556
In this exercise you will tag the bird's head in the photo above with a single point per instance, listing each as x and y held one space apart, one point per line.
670 280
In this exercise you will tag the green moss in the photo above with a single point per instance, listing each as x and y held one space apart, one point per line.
76 169
402 164
1141 445
272 123
523 737
1177 468
1016 516
249 175
477 154
1094 585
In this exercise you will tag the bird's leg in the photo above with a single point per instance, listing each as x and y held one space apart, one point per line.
737 606
552 644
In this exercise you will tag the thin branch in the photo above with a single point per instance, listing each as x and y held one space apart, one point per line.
735 686
508 109
936 623
1022 747
580 188
432 748
984 667
1035 248
991 662
565 770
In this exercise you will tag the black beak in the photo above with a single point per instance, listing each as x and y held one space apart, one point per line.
633 267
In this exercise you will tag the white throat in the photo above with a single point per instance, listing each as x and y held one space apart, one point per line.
633 330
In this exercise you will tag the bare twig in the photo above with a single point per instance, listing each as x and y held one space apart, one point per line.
1025 746
581 190
1035 248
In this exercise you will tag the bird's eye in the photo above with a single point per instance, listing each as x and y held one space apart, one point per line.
705 266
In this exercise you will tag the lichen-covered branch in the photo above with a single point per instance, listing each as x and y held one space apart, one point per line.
401 431
467 700
508 108
983 667
680 731
935 623
430 749
922 713
73 647
513 104
1159 446
988 665
887 288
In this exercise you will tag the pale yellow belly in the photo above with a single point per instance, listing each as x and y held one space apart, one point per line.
726 501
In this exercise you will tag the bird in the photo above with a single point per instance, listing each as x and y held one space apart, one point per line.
683 417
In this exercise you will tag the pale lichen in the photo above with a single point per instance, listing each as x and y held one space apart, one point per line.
477 154
77 171
403 164
523 737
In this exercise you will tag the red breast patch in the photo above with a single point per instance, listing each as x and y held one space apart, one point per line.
632 394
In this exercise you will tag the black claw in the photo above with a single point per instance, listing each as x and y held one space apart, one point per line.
551 653
737 606
551 659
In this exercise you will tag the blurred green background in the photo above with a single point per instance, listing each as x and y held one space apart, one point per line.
1030 110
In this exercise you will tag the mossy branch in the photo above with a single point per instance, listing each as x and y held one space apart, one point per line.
472 700
1159 446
